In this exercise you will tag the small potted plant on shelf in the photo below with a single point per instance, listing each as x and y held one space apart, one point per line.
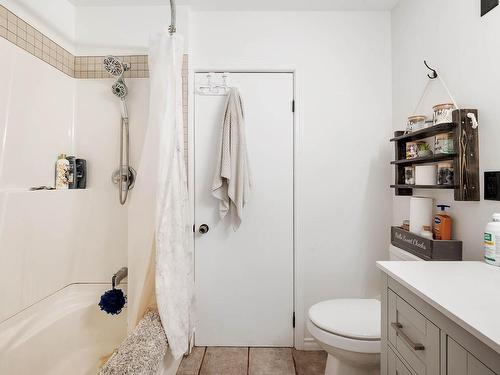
424 150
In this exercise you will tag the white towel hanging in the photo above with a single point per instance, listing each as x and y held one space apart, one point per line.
231 183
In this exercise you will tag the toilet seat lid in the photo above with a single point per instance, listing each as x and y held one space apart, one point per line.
353 318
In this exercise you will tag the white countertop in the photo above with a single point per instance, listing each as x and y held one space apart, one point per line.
466 292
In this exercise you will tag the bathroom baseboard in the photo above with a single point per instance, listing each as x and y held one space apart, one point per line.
310 344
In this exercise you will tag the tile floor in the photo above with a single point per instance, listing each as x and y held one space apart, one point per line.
252 361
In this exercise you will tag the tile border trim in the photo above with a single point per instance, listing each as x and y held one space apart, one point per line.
20 33
23 35
91 67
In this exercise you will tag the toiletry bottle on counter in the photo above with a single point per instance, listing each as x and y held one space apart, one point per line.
442 224
492 241
426 232
62 171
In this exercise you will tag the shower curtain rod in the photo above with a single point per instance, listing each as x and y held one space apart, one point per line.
173 27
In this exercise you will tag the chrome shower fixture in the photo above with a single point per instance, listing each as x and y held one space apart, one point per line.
124 176
120 89
114 66
173 18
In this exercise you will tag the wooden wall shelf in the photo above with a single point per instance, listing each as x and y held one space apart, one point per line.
465 159
404 186
425 159
424 133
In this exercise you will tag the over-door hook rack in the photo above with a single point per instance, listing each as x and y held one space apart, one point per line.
433 74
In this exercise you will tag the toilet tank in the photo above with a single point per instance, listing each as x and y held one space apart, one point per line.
395 253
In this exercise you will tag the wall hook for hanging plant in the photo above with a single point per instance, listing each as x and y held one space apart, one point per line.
487 5
433 74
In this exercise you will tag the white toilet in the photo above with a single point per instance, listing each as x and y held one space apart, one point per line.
349 330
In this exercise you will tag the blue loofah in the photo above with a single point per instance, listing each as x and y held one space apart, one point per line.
113 301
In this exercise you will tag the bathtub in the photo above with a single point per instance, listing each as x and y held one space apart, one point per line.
65 333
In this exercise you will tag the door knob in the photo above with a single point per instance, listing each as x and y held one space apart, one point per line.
204 228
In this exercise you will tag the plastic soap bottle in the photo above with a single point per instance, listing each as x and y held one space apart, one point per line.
492 241
442 224
62 172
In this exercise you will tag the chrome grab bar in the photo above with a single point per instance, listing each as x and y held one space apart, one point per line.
124 154
399 331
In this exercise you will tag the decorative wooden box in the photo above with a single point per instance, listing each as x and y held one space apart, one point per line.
425 248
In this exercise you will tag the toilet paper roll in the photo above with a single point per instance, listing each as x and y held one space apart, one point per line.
426 174
420 213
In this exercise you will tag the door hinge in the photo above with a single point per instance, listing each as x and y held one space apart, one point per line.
194 228
293 320
293 106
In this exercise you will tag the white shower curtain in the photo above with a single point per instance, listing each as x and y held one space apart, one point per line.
174 258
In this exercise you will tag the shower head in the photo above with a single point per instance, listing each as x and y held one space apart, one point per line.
114 66
120 89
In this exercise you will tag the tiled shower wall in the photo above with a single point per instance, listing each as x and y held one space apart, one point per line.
26 37
69 107
92 66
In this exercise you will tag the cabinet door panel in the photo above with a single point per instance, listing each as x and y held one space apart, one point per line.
461 362
474 367
456 358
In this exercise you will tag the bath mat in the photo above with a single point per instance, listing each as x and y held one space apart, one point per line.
142 351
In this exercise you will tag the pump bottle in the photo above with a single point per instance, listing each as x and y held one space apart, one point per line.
442 224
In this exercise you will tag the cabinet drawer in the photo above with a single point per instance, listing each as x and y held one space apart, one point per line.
414 337
395 366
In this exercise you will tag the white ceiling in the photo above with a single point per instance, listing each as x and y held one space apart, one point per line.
255 5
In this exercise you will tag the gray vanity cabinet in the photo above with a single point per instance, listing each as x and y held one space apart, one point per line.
395 366
417 339
413 336
461 362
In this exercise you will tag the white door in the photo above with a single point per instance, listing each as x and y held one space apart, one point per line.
244 279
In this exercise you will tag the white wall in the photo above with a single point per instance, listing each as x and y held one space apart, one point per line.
97 135
343 67
123 29
98 30
51 239
49 120
34 129
54 18
465 49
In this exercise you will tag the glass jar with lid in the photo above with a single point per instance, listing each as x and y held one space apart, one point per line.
416 122
443 113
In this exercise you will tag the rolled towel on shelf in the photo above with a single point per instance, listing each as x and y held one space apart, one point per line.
141 352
